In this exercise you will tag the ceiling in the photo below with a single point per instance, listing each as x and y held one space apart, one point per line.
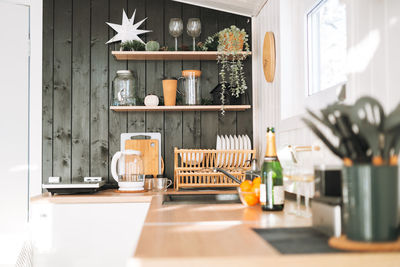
249 8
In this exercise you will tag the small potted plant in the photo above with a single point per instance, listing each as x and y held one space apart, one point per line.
132 45
229 43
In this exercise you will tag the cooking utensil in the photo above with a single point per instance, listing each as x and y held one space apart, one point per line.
368 115
390 143
392 120
324 121
391 128
321 136
356 146
330 118
394 158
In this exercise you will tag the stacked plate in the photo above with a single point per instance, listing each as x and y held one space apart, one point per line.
241 142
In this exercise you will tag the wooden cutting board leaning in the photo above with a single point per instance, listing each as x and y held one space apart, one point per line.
150 154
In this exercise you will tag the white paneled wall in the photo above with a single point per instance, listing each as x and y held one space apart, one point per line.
373 46
373 30
265 95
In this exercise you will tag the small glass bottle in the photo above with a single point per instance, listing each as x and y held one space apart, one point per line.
272 195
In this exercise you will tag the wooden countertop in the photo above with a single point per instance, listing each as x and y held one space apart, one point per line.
217 235
222 235
106 196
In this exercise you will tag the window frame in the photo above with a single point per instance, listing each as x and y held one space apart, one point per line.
314 101
313 62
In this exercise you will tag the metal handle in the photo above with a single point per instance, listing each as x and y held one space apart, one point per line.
306 148
227 174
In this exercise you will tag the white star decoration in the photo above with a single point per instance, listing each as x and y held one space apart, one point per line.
127 31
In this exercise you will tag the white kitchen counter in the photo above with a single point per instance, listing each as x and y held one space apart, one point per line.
86 230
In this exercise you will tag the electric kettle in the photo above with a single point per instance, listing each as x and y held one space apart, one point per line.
127 169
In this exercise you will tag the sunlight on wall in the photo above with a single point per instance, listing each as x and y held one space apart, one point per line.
360 55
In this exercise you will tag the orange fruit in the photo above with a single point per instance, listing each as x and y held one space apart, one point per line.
246 186
251 199
256 189
257 180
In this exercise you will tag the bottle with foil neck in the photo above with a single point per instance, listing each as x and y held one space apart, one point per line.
272 196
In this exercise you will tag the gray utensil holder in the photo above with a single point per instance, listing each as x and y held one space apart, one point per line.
370 198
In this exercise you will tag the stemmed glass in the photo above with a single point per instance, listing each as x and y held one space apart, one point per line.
304 177
176 29
194 30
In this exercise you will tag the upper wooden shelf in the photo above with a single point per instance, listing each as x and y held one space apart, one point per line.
181 108
167 55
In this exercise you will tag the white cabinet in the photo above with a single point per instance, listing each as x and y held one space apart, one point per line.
103 234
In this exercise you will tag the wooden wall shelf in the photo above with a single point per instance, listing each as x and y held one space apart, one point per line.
167 55
180 108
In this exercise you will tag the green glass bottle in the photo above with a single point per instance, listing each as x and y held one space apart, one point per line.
272 195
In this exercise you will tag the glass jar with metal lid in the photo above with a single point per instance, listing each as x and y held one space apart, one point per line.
124 90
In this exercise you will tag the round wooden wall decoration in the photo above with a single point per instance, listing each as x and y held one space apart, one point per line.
269 56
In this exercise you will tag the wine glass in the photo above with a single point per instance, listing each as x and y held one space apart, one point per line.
305 179
176 29
194 30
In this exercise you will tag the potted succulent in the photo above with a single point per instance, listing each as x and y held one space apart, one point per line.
132 45
229 42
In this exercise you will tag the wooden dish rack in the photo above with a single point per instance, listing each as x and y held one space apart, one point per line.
194 168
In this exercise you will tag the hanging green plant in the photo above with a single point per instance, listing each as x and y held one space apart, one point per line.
231 41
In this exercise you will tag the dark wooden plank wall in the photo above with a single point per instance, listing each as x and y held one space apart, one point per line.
80 133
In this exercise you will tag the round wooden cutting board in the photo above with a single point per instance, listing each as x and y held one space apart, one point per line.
269 56
343 243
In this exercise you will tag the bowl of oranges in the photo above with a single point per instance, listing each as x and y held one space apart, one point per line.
249 192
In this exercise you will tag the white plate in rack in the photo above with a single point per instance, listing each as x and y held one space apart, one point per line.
240 148
232 142
245 147
236 148
223 147
218 147
228 147
218 144
249 146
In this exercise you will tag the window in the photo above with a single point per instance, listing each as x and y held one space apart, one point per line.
326 45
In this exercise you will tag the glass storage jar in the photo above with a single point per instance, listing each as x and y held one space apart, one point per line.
190 89
124 90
